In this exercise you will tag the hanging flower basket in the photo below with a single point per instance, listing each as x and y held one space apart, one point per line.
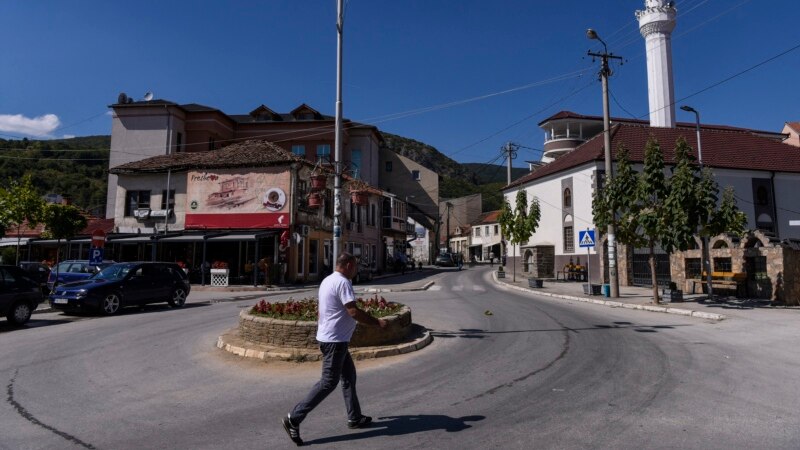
318 182
314 200
360 198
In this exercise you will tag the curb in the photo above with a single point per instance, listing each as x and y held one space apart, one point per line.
615 304
232 343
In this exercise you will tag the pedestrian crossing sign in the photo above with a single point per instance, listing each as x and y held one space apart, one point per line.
586 238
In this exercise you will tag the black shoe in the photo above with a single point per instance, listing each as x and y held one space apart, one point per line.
362 422
292 430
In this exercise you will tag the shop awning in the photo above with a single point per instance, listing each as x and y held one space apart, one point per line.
131 240
244 236
63 241
6 242
182 238
475 245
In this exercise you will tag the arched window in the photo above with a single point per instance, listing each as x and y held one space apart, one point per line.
567 198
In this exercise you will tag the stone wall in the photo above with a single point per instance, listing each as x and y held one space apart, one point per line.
302 334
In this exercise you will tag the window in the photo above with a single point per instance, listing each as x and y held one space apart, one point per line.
762 197
355 161
211 143
324 153
486 230
372 219
179 143
313 256
299 150
496 230
388 166
569 240
722 265
135 200
478 232
171 199
305 116
415 175
693 268
567 198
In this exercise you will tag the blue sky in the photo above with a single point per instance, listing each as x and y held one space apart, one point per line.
464 76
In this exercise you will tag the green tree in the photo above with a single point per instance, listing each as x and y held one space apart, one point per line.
62 222
20 204
519 226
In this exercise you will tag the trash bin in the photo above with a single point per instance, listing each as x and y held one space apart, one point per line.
606 290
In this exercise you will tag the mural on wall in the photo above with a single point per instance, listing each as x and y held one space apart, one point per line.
231 198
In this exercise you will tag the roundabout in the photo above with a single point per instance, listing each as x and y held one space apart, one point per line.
261 337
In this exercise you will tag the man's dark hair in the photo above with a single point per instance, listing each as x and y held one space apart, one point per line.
345 258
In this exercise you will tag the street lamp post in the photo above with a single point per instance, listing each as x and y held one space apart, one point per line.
605 72
704 239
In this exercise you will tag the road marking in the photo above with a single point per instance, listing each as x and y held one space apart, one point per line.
478 288
458 288
435 288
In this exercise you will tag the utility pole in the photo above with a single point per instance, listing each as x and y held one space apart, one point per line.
510 150
449 205
337 158
605 72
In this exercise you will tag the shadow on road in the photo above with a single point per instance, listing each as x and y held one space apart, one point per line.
410 276
400 425
471 333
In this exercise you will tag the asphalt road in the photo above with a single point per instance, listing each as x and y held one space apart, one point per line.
505 370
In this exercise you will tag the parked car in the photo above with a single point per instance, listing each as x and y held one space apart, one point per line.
124 284
73 270
445 260
19 294
39 272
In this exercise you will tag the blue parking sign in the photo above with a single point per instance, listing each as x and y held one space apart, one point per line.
95 255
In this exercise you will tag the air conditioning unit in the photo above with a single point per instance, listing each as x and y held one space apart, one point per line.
304 229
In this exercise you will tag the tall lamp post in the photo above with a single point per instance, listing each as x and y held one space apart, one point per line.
605 72
706 256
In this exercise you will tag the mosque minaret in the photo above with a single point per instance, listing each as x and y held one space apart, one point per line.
656 23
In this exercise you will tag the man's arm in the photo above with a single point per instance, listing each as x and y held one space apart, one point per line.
362 317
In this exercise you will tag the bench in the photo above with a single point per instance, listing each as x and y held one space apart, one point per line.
727 281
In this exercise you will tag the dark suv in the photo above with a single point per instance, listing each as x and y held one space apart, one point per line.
19 294
124 284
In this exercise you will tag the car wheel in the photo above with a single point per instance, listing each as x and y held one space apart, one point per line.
20 313
178 298
110 304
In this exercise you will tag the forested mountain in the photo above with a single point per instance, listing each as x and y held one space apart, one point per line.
74 167
77 168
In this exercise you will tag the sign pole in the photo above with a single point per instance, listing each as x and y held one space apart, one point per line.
588 269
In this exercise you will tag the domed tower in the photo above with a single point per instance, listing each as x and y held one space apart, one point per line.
656 23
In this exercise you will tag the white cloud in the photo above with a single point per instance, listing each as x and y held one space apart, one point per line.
68 136
40 126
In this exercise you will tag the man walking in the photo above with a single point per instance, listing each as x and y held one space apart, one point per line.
338 314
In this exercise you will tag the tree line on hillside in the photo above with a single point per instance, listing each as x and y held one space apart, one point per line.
76 168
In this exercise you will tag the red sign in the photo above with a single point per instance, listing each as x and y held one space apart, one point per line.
98 238
217 221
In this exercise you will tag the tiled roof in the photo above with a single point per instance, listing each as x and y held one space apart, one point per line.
722 149
795 126
93 224
489 217
251 153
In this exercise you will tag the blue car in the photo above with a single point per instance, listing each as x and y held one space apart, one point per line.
124 284
73 270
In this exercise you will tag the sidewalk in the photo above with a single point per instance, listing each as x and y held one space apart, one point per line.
631 297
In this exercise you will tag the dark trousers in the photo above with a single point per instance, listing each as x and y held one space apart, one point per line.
336 364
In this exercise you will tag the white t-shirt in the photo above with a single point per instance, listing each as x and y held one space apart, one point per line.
335 323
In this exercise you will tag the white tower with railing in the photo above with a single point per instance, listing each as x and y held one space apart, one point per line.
656 23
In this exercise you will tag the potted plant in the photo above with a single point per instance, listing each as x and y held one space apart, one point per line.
359 192
314 200
319 181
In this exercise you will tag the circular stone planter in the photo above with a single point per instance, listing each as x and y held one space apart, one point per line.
302 334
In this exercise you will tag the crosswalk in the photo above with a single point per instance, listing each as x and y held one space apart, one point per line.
474 288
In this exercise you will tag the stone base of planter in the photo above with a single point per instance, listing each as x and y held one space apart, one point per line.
417 338
300 334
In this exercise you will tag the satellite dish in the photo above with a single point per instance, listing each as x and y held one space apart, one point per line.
122 98
148 96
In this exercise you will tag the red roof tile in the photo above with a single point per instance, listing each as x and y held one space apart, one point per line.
723 149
